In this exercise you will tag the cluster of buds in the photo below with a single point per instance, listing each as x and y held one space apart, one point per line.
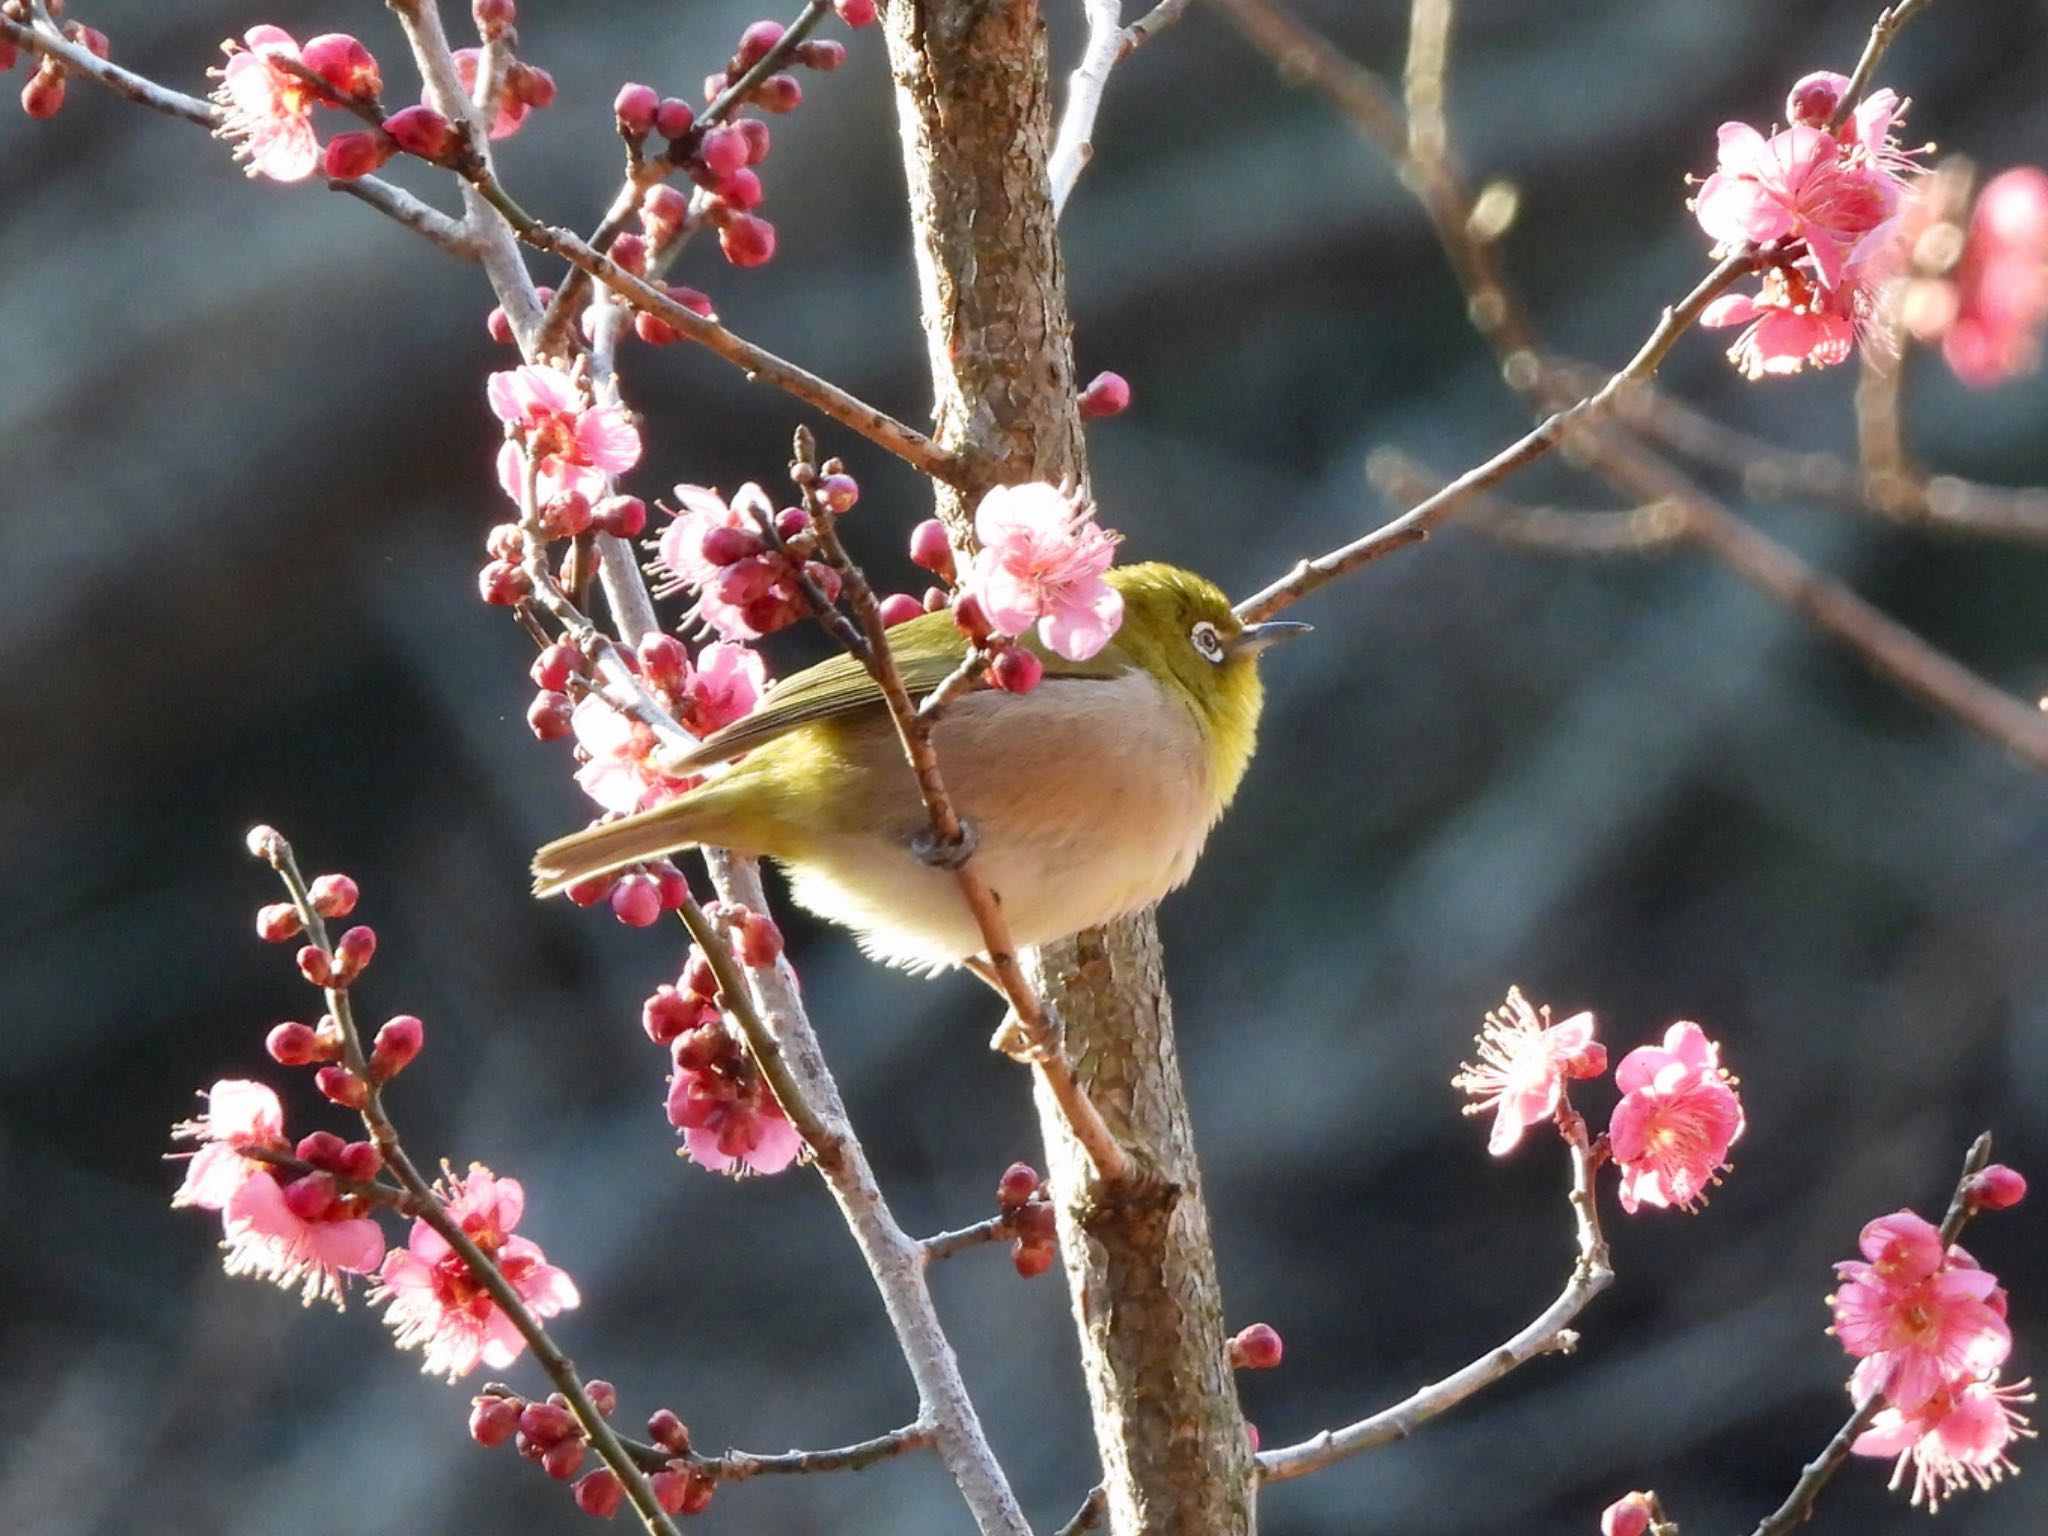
43 95
717 1096
1027 1215
753 568
548 1433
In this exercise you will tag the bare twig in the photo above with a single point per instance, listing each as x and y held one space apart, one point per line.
1549 1333
737 1466
1073 144
943 1245
1798 1505
1413 525
1650 529
1882 32
1151 24
1089 1515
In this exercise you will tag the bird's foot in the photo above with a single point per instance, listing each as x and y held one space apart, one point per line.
1021 1042
931 849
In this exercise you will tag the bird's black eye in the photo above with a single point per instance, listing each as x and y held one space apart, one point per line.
1207 641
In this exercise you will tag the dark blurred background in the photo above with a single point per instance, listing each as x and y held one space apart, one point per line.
246 479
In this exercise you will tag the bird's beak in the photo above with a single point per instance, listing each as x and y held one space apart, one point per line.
1254 638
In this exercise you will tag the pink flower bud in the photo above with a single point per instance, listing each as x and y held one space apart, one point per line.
675 890
756 43
294 1045
1018 1184
503 585
825 579
493 1420
277 922
779 94
598 1493
1816 98
360 1161
900 608
553 667
1626 1516
674 117
791 521
310 1197
634 107
1106 395
497 324
1589 1062
1034 1222
855 13
671 1489
531 84
838 493
91 39
396 1044
43 96
315 966
604 1397
1032 1259
698 1498
562 1459
493 17
698 979
668 1432
930 548
623 517
723 546
340 1086
588 893
760 940
1016 670
741 191
506 542
758 138
970 617
265 843
663 661
636 901
344 64
352 951
334 895
423 132
1998 1188
723 151
666 1014
630 252
822 55
714 85
322 1149
654 331
1256 1348
551 715
352 156
546 1424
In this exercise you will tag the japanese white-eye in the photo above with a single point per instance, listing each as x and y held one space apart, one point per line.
1089 797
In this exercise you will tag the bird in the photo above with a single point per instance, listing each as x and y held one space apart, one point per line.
1087 798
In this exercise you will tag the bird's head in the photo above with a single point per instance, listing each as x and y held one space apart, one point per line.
1179 628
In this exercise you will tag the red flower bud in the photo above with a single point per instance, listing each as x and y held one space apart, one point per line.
674 117
630 252
277 922
930 548
502 584
294 1045
323 1149
1034 1222
663 661
822 55
698 1498
760 940
531 84
636 901
315 966
424 132
497 324
666 1014
91 39
1997 1188
334 895
855 13
604 1397
310 1197
634 108
671 1490
352 952
741 191
900 608
1106 395
493 1420
1016 670
791 521
1627 1516
588 893
553 667
623 517
698 979
493 17
561 1459
340 1086
551 715
43 96
758 138
838 493
724 546
1815 99
779 94
352 156
755 44
9 55
1589 1062
1256 1348
546 1423
1018 1184
360 1161
675 890
344 64
655 332
396 1044
598 1493
668 1432
1032 1259
970 617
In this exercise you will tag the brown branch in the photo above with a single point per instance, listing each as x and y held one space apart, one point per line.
1413 526
1798 1505
736 1466
1882 31
943 1245
1650 529
1089 1515
428 1208
1548 1333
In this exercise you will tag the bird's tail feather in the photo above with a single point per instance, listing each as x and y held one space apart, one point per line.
614 845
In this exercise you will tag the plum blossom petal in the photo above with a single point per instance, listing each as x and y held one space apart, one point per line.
239 1114
1917 1319
1524 1060
1960 1436
1679 1113
264 1237
266 110
575 445
1041 562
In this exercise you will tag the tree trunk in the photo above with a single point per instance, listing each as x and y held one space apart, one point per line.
973 99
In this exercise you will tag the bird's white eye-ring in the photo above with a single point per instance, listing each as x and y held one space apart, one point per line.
1207 641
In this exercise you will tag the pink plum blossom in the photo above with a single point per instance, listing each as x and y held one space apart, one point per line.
239 1114
266 110
1791 323
576 445
1678 1115
623 768
432 1299
1524 1061
716 550
731 1123
1041 562
1917 1319
1959 1436
1990 328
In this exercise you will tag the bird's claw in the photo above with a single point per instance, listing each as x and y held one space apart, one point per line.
1020 1042
931 849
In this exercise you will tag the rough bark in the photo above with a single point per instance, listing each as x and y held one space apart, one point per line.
974 103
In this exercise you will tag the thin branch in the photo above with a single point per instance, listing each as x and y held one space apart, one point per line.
1549 1333
428 1207
1073 144
737 1466
943 1245
1413 526
1798 1505
1151 24
1886 27
1653 528
1089 1515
